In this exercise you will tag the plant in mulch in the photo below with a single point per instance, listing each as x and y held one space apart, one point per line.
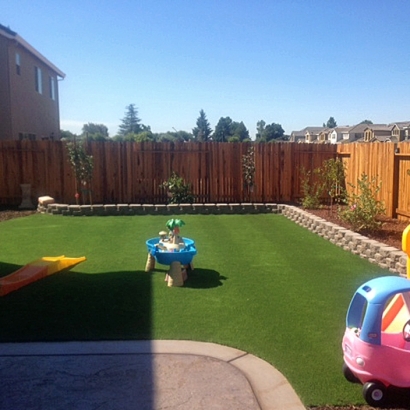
363 208
333 174
326 180
248 171
178 190
312 188
83 166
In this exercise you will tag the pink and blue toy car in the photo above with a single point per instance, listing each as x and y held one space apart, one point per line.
376 343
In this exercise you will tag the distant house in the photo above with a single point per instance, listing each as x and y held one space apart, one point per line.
356 133
378 133
312 134
298 136
29 99
339 134
323 137
403 130
308 134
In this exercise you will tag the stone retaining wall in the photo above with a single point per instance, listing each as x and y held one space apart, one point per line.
385 256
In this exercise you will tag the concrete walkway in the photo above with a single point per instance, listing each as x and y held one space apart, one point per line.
165 374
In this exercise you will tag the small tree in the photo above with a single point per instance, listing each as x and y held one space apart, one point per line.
333 173
248 171
83 166
363 207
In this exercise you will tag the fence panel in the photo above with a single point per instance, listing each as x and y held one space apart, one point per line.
132 172
377 161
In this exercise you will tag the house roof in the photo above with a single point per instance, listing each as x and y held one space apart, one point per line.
12 35
379 127
401 124
341 129
358 128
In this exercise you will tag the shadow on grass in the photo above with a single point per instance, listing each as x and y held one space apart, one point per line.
7 268
204 279
74 306
201 278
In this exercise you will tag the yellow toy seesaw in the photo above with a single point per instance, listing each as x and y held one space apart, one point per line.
36 270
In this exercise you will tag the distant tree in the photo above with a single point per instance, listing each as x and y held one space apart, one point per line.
368 122
239 132
131 122
331 123
271 132
68 135
223 130
202 131
95 132
260 128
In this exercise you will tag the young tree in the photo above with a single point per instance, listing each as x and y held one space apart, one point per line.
131 122
202 131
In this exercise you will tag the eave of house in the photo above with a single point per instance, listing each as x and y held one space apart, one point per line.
23 43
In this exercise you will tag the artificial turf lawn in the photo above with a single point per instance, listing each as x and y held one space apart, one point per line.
261 284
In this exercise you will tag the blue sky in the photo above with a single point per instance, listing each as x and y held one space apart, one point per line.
292 62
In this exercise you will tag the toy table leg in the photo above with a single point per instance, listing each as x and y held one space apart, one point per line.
150 265
175 275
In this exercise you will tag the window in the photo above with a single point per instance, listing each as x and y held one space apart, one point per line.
18 63
39 80
52 88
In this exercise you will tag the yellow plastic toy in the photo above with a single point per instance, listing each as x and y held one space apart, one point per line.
36 270
405 244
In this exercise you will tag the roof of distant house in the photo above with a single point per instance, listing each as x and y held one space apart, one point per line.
8 33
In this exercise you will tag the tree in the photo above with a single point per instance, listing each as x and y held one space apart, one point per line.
131 122
96 132
68 135
271 132
260 128
239 132
331 123
223 130
368 122
202 131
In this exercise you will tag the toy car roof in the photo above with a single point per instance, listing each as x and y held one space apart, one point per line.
380 289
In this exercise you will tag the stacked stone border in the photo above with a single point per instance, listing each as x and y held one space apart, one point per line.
387 257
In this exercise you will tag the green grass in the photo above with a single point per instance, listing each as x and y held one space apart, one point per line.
261 284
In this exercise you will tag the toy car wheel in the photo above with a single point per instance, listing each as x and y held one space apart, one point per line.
374 393
406 331
348 374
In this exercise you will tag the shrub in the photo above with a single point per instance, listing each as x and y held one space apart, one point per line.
328 179
363 207
178 190
312 189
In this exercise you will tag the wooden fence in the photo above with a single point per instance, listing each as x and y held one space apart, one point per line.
132 172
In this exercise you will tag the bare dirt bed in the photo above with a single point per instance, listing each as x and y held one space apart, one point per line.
13 212
390 232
